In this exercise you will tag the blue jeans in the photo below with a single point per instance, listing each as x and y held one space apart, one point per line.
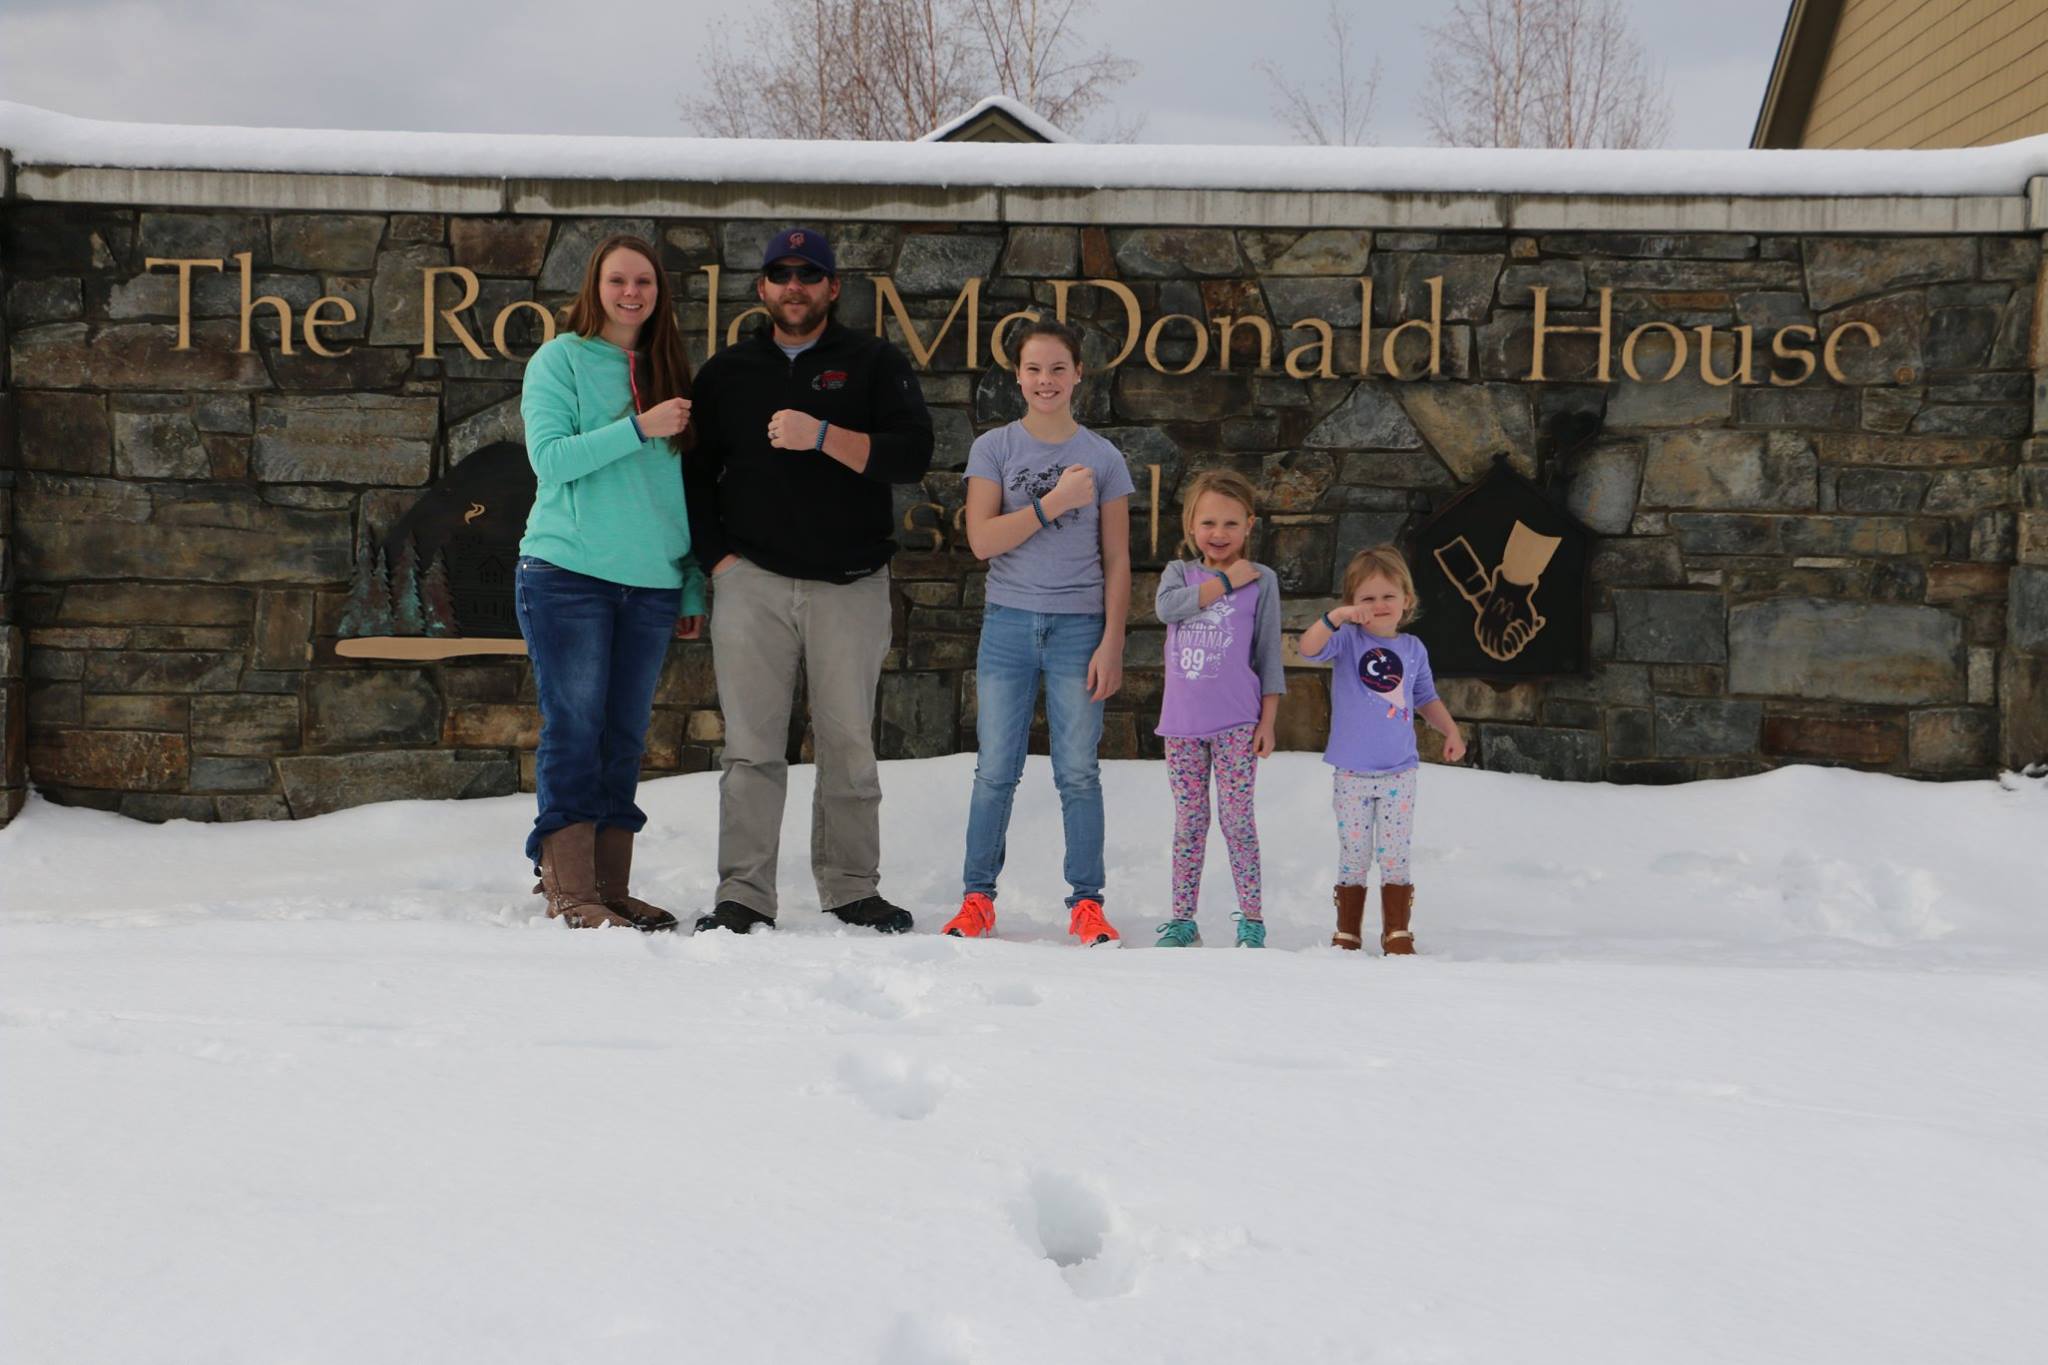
1017 649
597 649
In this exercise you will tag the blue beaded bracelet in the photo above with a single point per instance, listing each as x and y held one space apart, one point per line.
1039 508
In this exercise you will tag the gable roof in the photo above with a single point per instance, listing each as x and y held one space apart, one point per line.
997 118
1795 76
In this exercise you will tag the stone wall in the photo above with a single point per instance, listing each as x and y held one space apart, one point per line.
1822 572
13 649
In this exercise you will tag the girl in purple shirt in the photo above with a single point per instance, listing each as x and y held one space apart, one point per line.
1380 682
1224 677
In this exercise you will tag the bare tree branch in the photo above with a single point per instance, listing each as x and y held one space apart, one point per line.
1542 73
896 69
1337 113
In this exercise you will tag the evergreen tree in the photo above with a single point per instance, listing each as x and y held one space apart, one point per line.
377 618
406 617
368 611
437 604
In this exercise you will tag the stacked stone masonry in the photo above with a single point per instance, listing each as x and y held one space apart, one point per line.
1852 573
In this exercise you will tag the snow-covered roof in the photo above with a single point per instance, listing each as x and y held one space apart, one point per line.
1022 114
41 137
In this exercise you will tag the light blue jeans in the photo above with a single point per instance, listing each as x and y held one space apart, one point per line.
1017 649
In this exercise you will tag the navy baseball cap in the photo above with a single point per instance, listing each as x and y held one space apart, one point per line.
806 244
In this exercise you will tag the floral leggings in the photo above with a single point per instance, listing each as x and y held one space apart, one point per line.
1375 815
1188 762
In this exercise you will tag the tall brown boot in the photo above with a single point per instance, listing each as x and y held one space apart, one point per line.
1395 902
568 877
1350 901
614 872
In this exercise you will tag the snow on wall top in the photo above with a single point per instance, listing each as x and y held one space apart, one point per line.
42 137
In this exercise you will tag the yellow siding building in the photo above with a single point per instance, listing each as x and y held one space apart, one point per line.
1907 73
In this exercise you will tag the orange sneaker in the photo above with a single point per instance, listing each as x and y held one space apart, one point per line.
977 918
1090 927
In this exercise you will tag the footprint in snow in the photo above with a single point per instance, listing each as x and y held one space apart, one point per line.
1068 1222
894 1086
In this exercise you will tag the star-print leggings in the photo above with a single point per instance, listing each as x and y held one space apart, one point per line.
1375 815
1188 762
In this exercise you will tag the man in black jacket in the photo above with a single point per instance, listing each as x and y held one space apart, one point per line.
801 428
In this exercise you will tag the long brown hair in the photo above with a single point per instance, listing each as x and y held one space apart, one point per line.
668 365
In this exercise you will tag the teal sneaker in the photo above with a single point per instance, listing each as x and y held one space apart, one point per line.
1251 933
1179 933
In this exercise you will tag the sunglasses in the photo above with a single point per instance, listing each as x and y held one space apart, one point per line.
802 274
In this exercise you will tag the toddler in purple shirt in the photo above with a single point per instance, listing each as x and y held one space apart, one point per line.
1380 682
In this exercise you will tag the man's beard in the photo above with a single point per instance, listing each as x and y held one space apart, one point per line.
807 321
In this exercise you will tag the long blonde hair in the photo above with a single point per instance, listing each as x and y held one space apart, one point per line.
1387 562
1230 484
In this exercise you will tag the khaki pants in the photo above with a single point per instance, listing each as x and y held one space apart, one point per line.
763 626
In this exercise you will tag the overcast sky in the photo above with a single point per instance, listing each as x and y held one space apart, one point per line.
618 67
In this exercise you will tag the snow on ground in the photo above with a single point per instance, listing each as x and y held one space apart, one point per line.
1737 1071
44 137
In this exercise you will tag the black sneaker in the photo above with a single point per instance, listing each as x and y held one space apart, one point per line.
733 916
872 912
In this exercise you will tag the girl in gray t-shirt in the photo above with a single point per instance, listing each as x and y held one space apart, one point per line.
1048 506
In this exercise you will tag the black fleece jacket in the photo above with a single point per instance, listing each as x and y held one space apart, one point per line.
801 513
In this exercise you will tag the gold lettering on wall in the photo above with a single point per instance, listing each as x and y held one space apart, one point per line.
1678 352
1155 509
969 298
186 265
284 310
732 332
1225 326
1326 347
1432 327
1742 370
314 322
428 312
710 310
1834 342
1544 330
1201 343
1800 354
1408 349
547 326
1133 316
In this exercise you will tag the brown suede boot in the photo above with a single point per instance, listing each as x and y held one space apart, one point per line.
1395 902
1350 901
568 877
614 871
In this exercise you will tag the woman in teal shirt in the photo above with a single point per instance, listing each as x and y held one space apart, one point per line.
605 576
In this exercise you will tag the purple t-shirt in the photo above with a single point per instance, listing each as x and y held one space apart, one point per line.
1059 567
1377 684
1220 659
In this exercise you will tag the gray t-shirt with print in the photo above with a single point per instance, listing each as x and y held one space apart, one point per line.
1059 568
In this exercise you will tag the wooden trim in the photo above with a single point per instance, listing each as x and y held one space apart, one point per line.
1795 76
427 649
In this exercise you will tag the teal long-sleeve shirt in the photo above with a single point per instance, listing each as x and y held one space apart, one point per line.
608 504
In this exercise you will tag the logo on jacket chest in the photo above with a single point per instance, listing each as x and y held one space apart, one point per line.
828 380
